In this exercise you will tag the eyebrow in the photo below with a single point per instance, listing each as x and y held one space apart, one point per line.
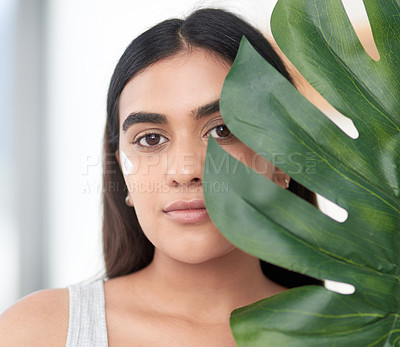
157 118
143 117
206 110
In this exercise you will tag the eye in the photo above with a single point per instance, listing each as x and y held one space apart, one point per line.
150 140
220 131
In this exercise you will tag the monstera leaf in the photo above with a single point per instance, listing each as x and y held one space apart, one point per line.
361 175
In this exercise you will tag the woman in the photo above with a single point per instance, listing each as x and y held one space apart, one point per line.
172 278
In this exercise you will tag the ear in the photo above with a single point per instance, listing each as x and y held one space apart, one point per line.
281 178
117 156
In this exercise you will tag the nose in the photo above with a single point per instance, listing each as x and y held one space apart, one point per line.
185 165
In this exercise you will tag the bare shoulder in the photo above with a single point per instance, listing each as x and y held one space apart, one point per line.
39 319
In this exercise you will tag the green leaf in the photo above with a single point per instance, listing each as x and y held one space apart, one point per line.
269 115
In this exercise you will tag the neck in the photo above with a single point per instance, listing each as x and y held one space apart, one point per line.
210 290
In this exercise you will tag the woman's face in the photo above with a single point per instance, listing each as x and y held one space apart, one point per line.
167 112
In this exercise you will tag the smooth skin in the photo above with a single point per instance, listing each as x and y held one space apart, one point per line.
184 297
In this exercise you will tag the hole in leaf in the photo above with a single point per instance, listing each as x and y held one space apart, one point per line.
339 287
344 123
330 209
358 17
311 94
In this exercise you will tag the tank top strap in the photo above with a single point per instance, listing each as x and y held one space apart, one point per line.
87 316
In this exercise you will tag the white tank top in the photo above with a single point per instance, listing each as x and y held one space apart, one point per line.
87 316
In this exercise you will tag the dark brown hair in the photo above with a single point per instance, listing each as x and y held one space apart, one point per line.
126 249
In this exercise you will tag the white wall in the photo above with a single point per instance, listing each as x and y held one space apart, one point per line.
9 263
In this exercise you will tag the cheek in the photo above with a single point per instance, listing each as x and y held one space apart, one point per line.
142 172
126 164
252 159
263 166
147 187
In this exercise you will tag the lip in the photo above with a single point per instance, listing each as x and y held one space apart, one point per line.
187 211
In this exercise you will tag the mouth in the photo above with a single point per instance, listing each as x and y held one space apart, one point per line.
183 211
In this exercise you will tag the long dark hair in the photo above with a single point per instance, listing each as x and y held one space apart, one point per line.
126 249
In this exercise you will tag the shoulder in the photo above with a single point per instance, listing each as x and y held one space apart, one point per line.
39 319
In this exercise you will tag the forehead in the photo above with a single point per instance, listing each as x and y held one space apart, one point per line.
176 84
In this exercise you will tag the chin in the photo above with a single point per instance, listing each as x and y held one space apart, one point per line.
196 255
191 245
